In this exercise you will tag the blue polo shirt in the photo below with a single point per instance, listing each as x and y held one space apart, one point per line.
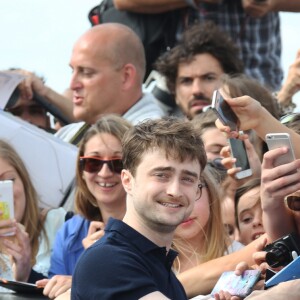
123 265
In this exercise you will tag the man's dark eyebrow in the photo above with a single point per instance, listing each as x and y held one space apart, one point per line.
161 169
189 173
171 169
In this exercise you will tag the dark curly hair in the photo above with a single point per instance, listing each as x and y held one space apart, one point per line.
198 39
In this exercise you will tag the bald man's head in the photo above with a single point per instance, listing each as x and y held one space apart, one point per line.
118 44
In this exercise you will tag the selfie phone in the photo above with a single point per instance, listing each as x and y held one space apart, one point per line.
224 111
277 140
6 199
240 286
238 151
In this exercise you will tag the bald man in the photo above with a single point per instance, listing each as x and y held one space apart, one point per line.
108 67
108 63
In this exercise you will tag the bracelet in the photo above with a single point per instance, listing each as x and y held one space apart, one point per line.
285 109
191 3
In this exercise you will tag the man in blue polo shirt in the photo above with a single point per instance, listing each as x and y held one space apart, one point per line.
163 160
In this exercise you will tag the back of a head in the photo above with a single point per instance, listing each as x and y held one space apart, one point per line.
120 45
176 137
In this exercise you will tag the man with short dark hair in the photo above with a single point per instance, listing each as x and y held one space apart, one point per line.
163 161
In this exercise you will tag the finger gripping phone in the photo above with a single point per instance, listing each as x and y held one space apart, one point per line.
277 140
224 111
240 286
238 151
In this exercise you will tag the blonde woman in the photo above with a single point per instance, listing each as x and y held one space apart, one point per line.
202 237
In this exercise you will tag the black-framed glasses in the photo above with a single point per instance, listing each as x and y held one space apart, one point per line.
92 164
293 202
201 185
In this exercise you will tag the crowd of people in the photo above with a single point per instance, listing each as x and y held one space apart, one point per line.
157 210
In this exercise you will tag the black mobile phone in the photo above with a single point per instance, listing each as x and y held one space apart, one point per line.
21 287
238 151
224 111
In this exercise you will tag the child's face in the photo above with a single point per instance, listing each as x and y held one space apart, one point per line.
250 216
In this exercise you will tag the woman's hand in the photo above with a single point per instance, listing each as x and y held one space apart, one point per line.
249 111
95 232
20 251
55 286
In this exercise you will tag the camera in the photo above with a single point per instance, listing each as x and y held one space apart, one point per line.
283 251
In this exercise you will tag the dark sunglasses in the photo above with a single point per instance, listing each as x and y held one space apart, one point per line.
95 164
293 202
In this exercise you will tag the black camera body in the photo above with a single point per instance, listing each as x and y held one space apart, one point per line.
282 251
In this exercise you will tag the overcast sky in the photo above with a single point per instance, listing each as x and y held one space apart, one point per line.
38 35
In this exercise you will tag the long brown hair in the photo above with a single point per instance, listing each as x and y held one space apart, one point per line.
85 202
32 219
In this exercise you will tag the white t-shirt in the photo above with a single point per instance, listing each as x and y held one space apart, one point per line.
145 108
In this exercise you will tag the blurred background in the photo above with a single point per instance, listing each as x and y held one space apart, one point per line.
38 35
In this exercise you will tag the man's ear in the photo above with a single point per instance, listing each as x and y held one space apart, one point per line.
127 180
128 76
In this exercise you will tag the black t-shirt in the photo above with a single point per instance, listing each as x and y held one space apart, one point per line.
124 264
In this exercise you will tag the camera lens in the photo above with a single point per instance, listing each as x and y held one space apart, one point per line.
278 256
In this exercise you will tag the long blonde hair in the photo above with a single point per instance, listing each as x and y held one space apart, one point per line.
216 237
32 219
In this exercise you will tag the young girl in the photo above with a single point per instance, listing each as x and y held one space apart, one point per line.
248 211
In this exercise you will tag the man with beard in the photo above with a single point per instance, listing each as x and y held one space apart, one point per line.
193 68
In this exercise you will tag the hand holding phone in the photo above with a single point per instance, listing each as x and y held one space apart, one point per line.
240 286
224 111
277 140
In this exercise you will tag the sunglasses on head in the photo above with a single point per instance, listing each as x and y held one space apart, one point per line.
293 202
95 164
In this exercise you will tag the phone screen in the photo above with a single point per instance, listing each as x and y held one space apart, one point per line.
224 111
237 285
6 200
238 151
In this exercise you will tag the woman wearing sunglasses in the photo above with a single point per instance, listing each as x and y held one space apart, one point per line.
99 196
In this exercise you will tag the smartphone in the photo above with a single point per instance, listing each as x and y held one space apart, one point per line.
21 287
224 111
238 151
6 200
240 286
277 140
